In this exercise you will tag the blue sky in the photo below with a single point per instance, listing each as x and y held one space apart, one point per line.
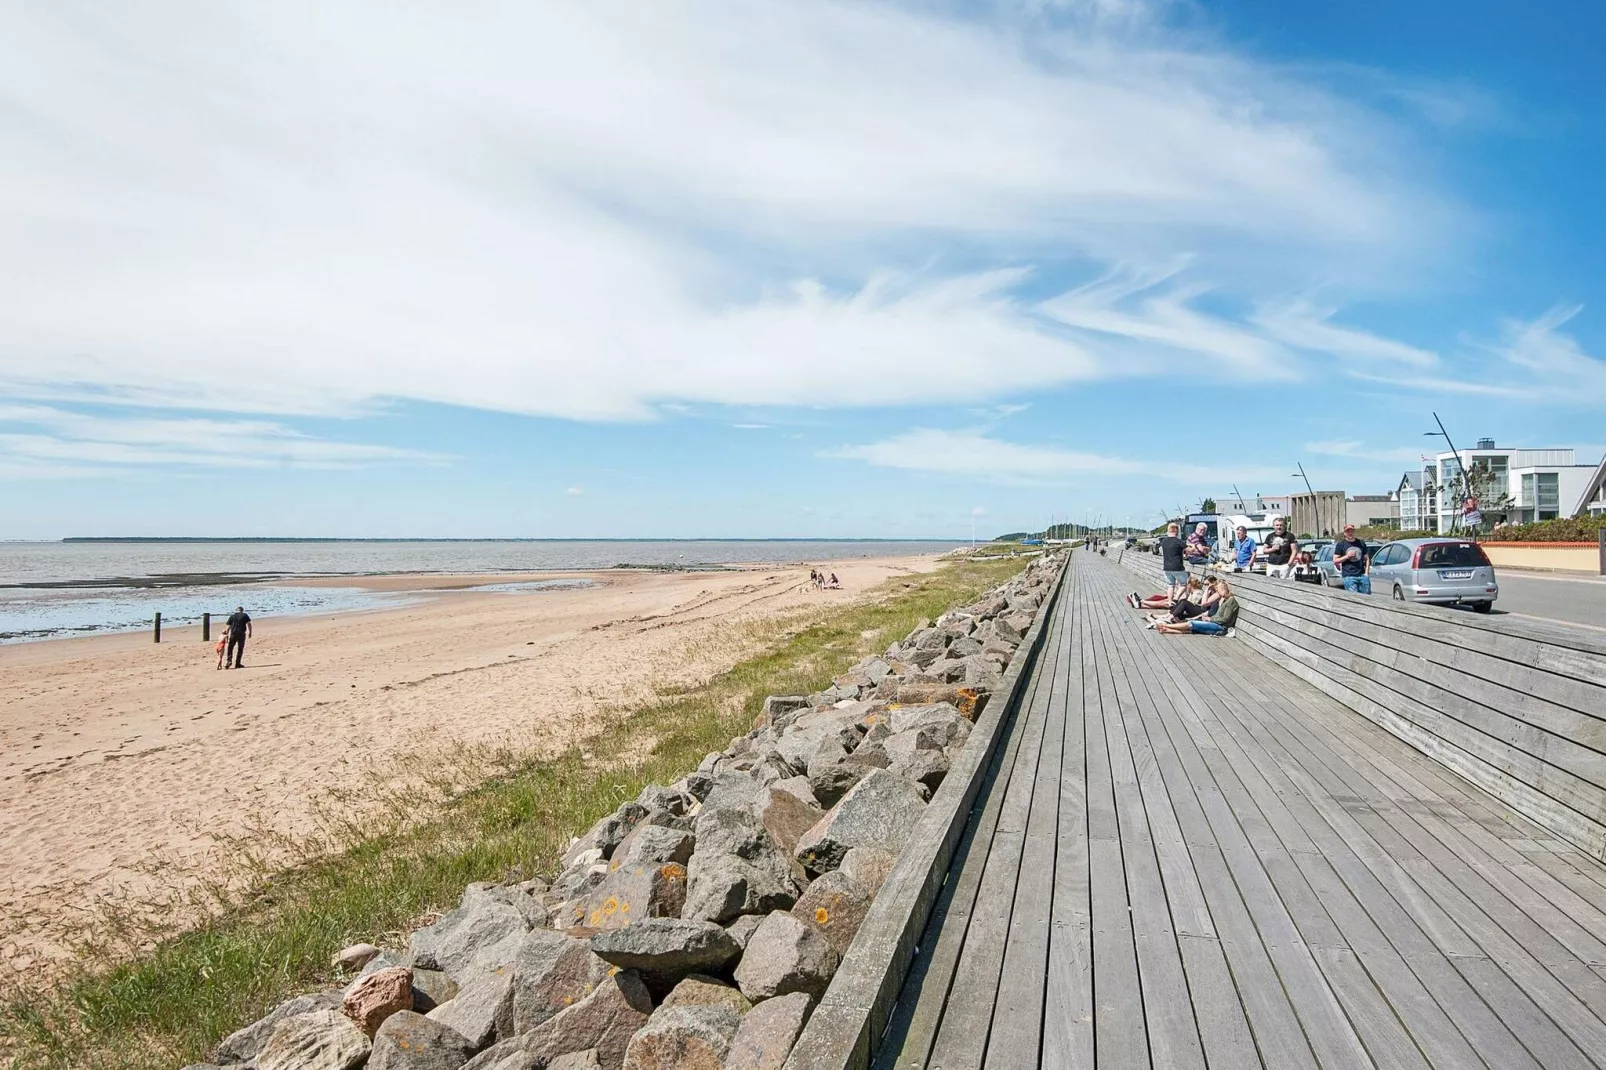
747 269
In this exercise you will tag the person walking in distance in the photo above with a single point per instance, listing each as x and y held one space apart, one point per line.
1281 548
1354 566
239 625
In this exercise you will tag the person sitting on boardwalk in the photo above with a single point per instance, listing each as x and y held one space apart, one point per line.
1186 609
1218 621
1190 590
1198 552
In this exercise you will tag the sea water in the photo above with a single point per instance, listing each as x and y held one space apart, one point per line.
55 589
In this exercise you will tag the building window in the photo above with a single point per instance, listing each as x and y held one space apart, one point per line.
1547 499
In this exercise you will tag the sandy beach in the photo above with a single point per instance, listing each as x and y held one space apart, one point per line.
119 756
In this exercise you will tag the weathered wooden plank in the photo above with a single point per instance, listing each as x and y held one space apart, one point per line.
1068 1004
1120 1040
1569 740
1217 1012
1266 1001
1517 793
1173 1033
963 1032
1470 673
1555 647
1427 996
1017 1020
1538 1032
913 1027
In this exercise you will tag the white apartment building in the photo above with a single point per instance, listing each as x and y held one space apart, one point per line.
1543 484
1250 504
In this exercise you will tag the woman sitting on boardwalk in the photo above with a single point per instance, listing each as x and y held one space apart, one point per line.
1190 593
1217 620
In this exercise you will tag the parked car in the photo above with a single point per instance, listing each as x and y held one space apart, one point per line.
1324 563
1436 571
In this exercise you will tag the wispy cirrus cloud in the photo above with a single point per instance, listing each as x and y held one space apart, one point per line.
39 441
1530 360
1357 450
596 213
974 453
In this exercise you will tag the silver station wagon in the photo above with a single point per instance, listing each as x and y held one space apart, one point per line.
1441 571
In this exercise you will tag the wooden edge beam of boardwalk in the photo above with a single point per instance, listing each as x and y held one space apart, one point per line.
1174 851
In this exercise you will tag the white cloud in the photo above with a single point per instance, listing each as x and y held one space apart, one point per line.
1552 364
597 211
38 441
1305 326
972 454
1360 451
1533 360
575 492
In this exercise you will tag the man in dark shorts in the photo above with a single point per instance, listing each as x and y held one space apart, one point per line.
1171 551
1281 548
239 625
1354 566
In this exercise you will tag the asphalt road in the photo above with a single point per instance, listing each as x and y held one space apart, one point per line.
1577 600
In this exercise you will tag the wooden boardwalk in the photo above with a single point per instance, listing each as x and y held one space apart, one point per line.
1184 856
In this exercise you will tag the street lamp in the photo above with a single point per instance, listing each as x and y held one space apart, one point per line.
1315 502
1461 468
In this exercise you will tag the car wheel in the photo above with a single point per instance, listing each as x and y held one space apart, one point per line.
1482 607
1399 594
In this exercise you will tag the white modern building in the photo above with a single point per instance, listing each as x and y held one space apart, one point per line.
1250 504
1543 484
1409 495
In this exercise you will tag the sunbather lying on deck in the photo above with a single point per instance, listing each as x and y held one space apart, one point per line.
1190 591
1218 619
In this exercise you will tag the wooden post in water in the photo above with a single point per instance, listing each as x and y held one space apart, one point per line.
158 637
206 627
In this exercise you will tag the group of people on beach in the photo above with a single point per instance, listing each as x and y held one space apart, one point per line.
818 581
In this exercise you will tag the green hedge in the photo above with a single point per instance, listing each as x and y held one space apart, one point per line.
1567 529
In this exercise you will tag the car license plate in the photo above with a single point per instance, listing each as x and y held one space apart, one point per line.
1464 574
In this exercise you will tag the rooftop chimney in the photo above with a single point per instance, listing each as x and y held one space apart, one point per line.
1486 443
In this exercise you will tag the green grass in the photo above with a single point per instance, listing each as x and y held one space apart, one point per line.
168 1005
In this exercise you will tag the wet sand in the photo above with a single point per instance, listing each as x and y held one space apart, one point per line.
117 755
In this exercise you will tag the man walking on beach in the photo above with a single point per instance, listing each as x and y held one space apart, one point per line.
1354 566
239 625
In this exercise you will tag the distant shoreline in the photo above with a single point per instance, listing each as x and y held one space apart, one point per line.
288 539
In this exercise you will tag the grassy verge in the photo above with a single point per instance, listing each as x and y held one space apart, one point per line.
167 1006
